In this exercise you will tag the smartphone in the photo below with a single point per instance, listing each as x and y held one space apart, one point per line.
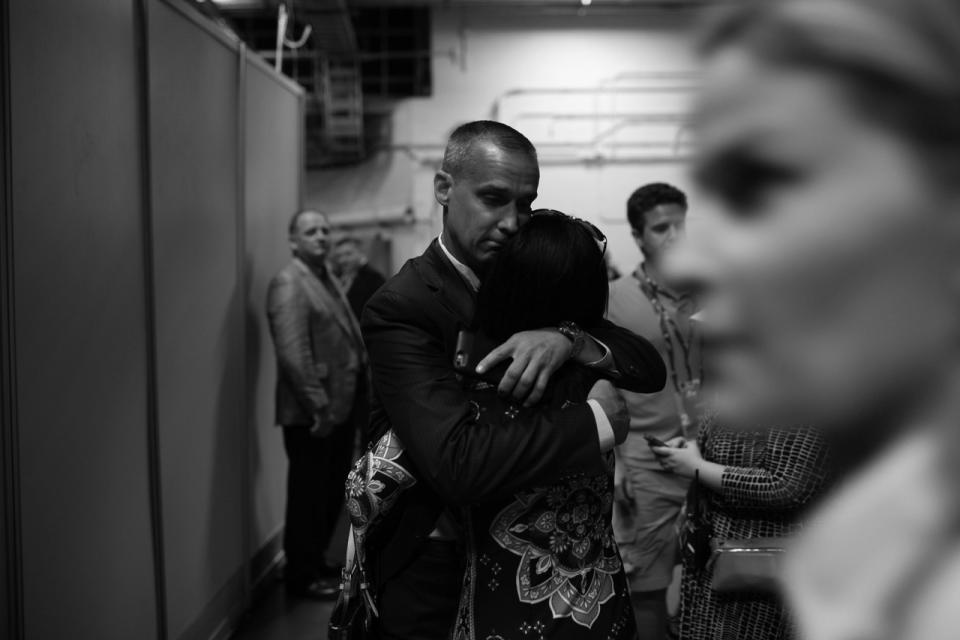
463 356
654 442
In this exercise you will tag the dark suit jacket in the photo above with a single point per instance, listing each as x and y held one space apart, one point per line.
410 328
318 344
364 285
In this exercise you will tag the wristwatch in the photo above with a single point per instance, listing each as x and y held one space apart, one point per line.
572 332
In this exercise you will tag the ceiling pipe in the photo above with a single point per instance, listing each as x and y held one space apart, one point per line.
497 103
391 218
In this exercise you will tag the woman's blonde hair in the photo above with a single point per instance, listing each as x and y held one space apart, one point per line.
898 60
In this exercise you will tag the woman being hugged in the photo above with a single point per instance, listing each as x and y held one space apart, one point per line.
543 560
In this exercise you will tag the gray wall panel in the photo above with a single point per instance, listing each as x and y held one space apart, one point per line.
84 387
193 94
272 196
81 361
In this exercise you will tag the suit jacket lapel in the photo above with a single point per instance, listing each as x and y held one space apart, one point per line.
323 298
447 284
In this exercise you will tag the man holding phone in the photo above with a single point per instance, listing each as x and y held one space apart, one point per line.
649 499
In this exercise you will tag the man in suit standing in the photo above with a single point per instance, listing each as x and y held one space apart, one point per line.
321 399
486 186
357 277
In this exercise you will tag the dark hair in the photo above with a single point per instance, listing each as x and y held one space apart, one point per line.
292 225
650 196
896 60
551 271
466 135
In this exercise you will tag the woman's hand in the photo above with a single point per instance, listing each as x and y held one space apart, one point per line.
681 457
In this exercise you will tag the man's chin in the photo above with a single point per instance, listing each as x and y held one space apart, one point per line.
315 258
484 261
489 253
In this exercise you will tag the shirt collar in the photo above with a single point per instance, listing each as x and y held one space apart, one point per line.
320 271
466 272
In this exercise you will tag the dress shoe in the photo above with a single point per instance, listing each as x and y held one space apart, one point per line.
320 589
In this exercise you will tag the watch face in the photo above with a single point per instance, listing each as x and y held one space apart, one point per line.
569 328
572 332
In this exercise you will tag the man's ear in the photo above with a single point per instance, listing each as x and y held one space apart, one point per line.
442 184
637 238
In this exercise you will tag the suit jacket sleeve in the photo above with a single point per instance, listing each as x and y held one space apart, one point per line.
463 457
288 313
637 361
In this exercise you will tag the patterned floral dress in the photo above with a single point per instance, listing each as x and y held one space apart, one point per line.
543 563
770 476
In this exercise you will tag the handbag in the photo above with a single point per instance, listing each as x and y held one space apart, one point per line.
694 530
355 613
747 565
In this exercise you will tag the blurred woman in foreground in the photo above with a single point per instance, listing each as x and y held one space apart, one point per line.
829 135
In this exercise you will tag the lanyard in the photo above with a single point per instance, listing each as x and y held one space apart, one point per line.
670 329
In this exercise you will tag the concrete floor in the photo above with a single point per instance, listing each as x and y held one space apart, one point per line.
278 617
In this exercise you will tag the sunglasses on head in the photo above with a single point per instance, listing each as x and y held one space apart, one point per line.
598 236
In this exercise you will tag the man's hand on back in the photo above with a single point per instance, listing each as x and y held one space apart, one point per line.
613 404
536 356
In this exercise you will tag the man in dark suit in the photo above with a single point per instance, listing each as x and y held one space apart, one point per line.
486 186
357 277
321 399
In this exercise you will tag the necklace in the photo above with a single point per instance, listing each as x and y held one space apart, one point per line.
688 389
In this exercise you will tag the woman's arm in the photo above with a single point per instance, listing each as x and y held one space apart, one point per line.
794 470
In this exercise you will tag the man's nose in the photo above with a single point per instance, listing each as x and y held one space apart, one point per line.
510 222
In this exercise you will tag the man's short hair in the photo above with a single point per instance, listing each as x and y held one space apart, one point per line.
466 135
292 227
650 196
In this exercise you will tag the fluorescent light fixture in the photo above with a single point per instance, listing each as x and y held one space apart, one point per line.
586 3
238 3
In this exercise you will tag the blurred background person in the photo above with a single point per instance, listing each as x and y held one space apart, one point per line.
752 484
829 137
321 400
358 279
648 499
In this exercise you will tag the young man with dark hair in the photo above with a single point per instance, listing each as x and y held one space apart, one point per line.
649 500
